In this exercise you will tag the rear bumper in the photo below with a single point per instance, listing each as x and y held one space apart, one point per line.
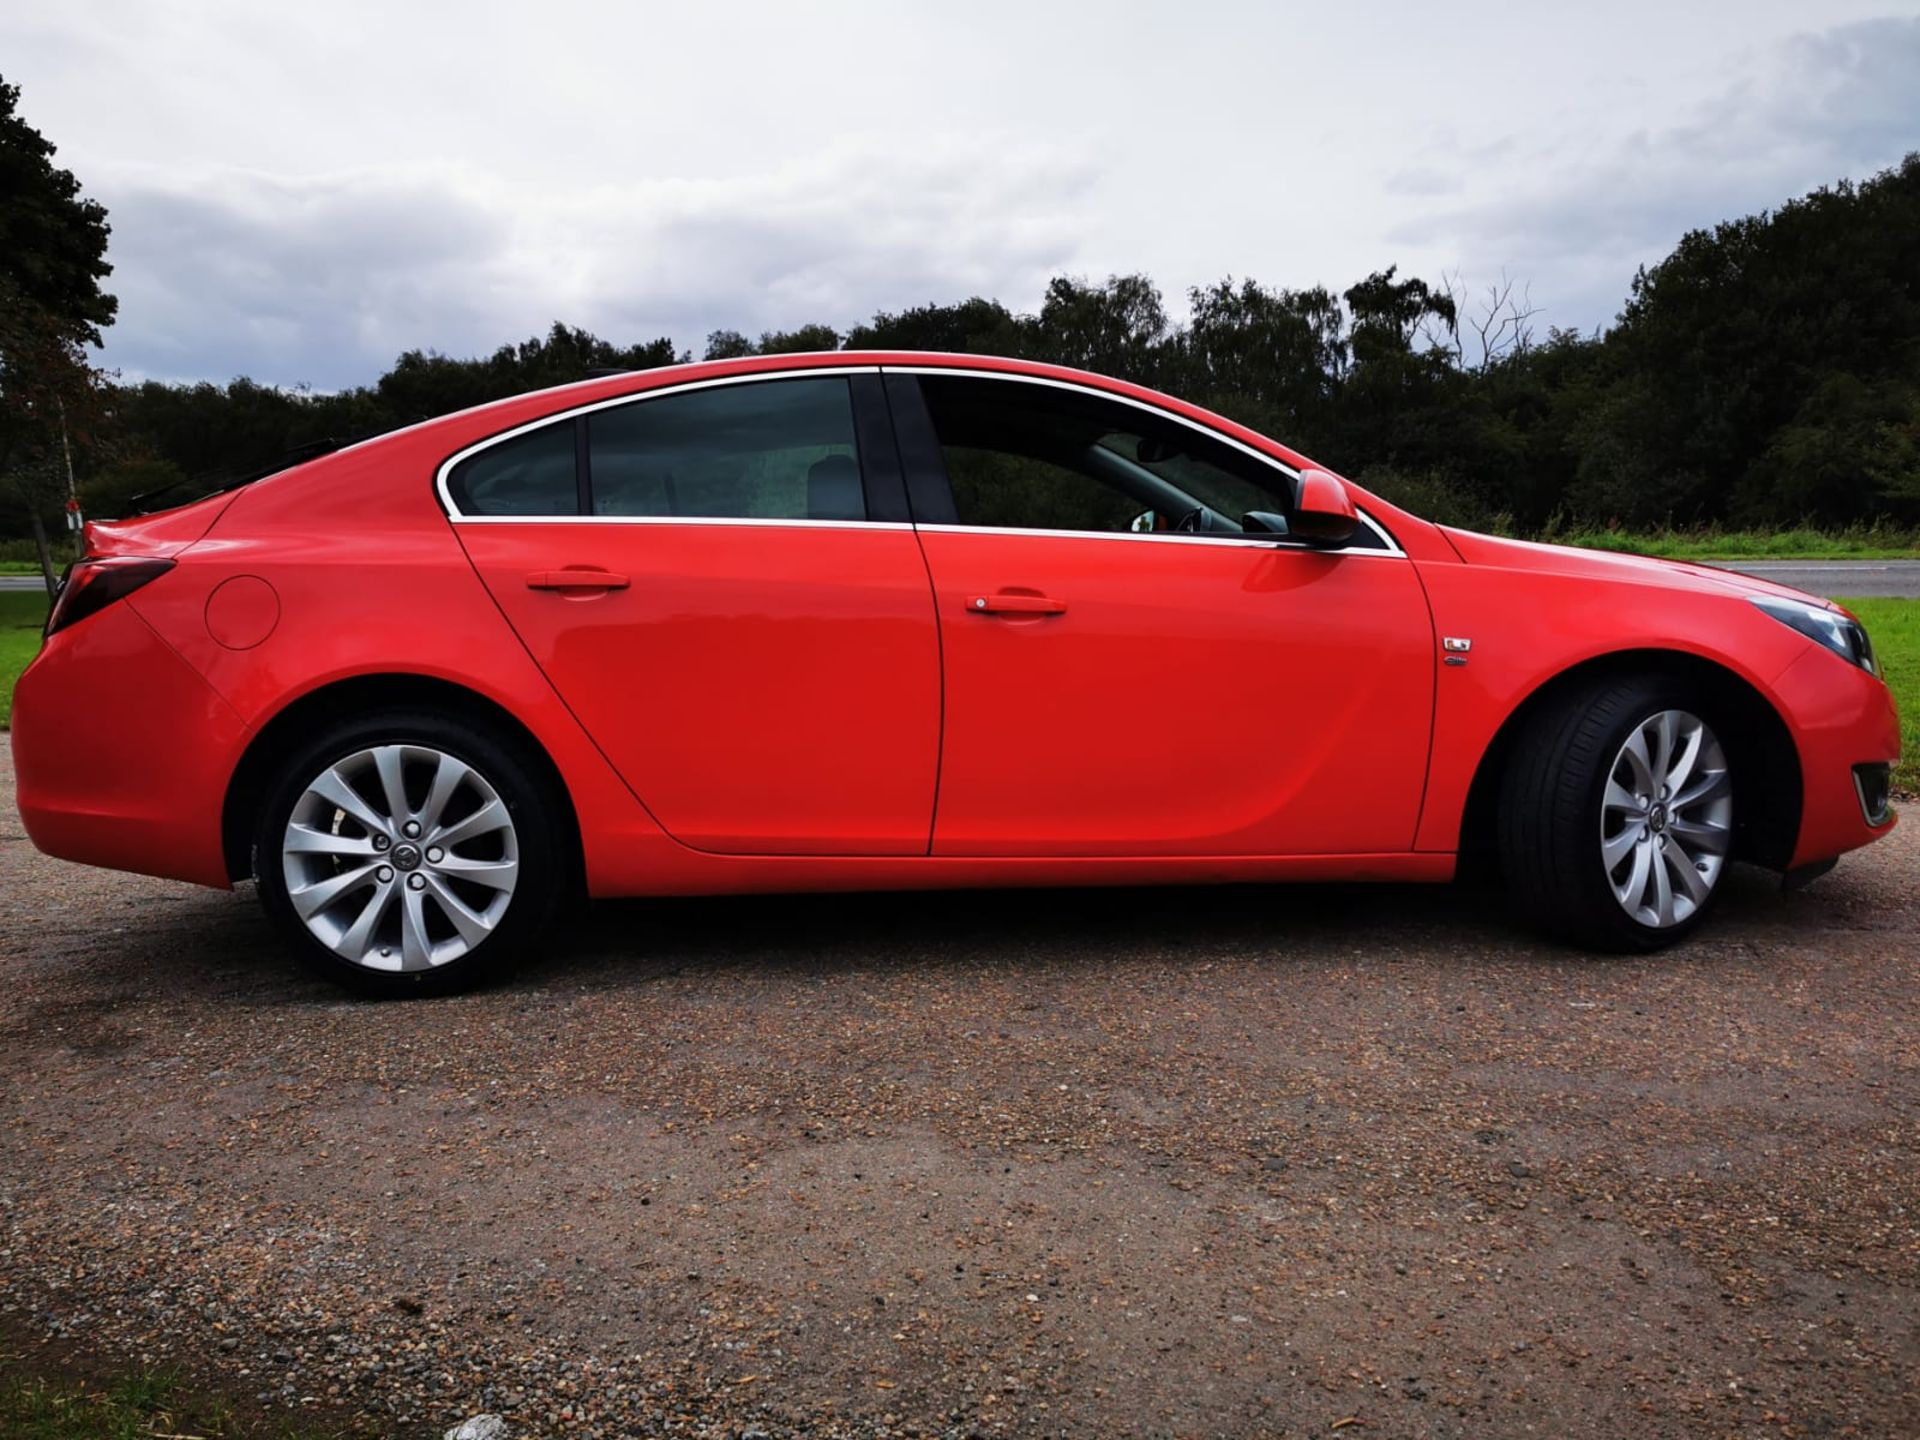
1841 717
122 752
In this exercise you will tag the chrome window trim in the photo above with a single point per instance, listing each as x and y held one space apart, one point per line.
761 521
635 397
1257 542
457 517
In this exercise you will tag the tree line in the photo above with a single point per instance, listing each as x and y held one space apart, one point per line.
1765 373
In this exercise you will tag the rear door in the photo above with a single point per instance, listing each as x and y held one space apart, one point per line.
720 581
1128 671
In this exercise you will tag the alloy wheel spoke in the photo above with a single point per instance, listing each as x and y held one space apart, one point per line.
472 926
1613 851
1697 835
359 935
1632 890
1662 892
1618 797
1634 752
416 950
389 762
1697 886
1711 785
494 874
305 840
1662 746
311 899
1682 767
488 818
332 787
446 780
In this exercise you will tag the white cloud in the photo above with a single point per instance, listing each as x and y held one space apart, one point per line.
301 192
325 279
1578 211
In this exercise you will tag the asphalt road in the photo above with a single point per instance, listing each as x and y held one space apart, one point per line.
1277 1161
1899 578
1821 577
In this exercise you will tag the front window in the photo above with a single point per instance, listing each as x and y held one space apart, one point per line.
1024 456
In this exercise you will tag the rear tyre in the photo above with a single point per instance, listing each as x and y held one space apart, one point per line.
409 853
1616 814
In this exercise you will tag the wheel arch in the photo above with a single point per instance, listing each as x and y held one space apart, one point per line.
340 699
1767 816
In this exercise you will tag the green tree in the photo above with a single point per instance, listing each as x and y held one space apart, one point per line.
794 342
1119 328
727 345
53 256
972 327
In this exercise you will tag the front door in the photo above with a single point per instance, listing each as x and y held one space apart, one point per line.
753 653
1129 671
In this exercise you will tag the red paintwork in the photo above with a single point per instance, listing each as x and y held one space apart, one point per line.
768 689
827 707
1194 699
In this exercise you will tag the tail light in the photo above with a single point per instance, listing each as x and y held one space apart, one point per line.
92 585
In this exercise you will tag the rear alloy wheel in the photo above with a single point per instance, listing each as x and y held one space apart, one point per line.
1616 815
407 855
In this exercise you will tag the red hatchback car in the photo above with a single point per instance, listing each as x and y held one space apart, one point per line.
852 621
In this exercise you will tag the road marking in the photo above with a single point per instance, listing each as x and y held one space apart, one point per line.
1817 567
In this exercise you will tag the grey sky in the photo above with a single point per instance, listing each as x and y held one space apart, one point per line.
299 193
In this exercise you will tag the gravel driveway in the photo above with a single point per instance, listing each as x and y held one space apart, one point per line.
1189 1162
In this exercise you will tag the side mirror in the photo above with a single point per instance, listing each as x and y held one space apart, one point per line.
1323 512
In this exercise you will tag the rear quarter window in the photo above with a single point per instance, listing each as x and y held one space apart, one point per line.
531 474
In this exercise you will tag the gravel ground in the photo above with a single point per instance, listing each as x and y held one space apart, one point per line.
1274 1161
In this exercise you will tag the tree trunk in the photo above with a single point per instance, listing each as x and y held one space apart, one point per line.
46 555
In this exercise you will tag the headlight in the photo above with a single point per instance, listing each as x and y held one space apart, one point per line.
1842 634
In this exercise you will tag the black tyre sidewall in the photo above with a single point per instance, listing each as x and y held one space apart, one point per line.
521 788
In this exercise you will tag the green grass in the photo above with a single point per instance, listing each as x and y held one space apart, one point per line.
1879 542
138 1405
1895 628
22 613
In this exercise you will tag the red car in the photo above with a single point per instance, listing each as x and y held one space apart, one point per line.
858 621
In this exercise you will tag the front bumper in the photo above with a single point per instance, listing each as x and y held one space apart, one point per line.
122 752
1840 717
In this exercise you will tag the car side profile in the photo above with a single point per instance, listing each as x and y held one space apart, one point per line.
853 621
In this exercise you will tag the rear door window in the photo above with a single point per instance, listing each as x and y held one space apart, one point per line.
766 450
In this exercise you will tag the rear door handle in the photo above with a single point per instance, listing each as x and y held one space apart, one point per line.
1005 604
575 580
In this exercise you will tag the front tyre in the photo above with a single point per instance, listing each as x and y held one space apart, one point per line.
408 853
1616 815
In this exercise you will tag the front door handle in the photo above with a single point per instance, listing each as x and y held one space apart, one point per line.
1005 604
580 579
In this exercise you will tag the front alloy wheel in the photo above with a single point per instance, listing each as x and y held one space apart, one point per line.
1617 811
1666 822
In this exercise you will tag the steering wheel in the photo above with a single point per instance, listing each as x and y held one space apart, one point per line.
1194 521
